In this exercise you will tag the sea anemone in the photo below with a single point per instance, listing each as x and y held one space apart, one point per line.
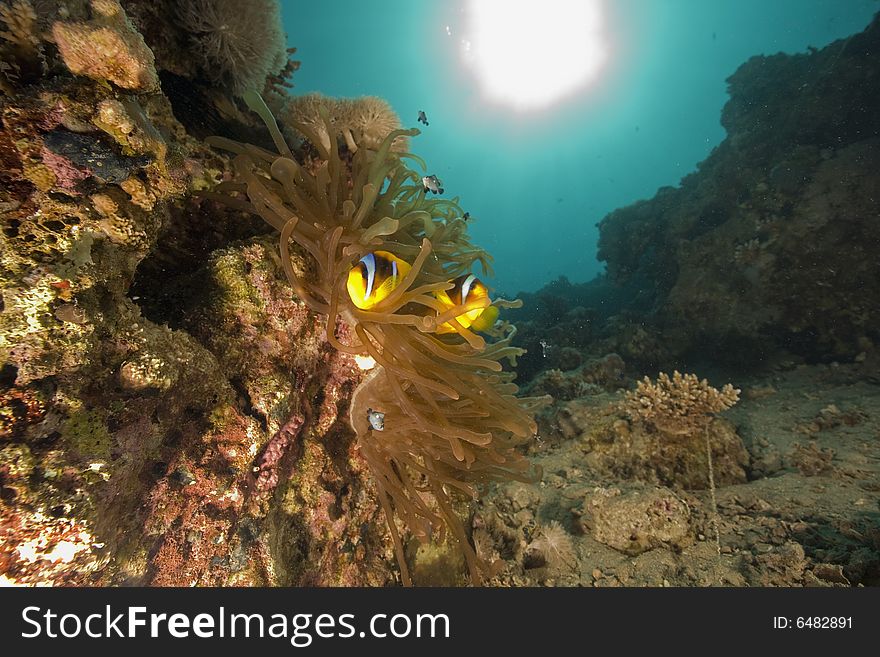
364 121
553 548
451 417
372 119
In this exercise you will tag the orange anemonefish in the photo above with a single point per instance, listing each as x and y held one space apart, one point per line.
468 288
374 277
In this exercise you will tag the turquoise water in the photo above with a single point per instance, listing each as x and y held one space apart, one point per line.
538 182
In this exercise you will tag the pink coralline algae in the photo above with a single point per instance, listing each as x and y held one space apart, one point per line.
268 463
67 175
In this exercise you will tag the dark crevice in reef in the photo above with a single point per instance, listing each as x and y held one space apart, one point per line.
168 284
198 108
245 403
7 375
191 106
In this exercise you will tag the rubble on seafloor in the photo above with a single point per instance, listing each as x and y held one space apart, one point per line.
797 472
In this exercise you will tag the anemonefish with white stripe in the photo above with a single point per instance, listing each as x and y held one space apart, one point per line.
468 288
374 277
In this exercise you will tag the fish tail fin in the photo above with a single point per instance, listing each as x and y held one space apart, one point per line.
486 320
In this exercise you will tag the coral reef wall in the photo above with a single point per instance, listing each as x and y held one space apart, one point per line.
771 245
167 406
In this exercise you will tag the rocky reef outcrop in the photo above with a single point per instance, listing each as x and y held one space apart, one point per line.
168 407
771 245
766 254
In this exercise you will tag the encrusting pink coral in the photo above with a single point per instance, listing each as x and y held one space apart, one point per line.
107 48
267 464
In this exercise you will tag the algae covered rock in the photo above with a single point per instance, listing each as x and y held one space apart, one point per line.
635 519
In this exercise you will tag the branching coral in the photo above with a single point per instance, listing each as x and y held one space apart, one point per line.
239 44
451 417
682 404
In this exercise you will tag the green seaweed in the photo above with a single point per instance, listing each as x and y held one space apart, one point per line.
85 433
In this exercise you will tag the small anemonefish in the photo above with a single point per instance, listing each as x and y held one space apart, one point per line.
374 277
467 288
423 118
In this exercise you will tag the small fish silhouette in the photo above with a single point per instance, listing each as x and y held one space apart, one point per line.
376 419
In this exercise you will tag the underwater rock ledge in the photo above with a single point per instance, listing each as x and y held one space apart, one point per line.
772 243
